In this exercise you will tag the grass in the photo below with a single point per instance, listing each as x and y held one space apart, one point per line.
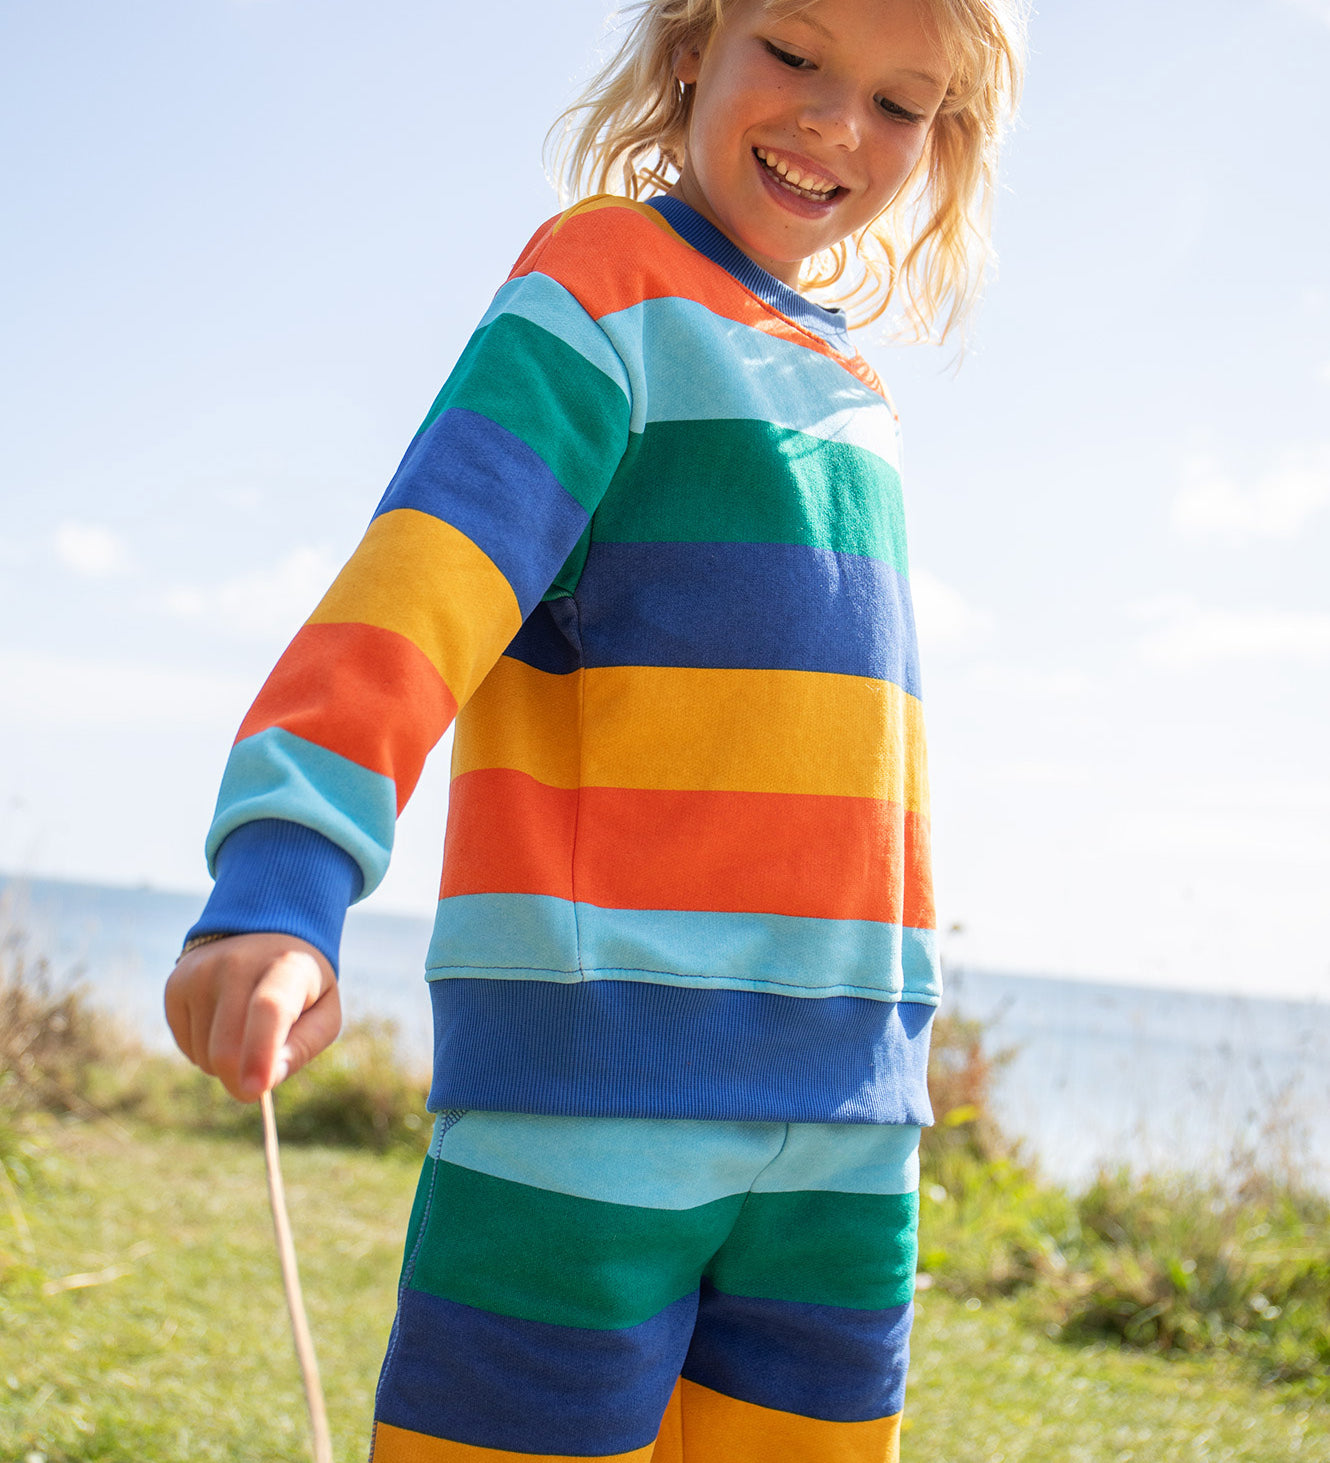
141 1312
180 1348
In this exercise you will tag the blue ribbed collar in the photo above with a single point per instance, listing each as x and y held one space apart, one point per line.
707 239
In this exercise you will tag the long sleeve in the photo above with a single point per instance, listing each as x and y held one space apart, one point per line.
489 505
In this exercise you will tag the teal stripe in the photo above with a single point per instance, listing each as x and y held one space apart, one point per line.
660 1163
856 1250
749 482
546 303
276 774
650 1163
541 1256
536 937
845 1158
687 354
544 392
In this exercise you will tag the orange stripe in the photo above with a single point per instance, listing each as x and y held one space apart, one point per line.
715 1428
572 249
508 834
740 852
400 1445
367 694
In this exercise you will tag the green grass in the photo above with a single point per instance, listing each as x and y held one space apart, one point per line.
182 1349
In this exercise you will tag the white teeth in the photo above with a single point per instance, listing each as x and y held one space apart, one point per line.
810 187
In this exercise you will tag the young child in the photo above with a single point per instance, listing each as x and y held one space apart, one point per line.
648 547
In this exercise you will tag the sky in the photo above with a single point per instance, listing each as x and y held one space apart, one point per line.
244 240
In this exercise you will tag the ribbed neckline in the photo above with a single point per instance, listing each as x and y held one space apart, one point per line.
707 239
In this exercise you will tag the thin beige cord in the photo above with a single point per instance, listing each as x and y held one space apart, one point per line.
309 1367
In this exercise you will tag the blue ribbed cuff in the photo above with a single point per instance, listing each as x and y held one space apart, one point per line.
280 877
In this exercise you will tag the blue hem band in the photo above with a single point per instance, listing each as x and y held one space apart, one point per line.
628 1048
283 878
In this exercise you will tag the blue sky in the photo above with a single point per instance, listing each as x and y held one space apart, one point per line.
245 239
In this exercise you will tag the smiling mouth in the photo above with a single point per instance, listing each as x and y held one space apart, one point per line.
820 190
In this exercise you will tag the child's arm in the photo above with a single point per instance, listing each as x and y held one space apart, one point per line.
487 509
251 1009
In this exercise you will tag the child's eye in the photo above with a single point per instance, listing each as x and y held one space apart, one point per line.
788 58
901 114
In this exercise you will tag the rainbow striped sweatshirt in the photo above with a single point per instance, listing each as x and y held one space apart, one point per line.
648 548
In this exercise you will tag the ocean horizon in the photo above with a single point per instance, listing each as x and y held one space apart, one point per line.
1093 1075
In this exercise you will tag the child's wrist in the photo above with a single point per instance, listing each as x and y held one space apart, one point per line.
198 940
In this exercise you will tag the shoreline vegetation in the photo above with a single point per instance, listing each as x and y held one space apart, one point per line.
133 1232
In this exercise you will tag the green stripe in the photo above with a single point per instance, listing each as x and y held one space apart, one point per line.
536 386
418 1205
521 1251
855 1250
751 482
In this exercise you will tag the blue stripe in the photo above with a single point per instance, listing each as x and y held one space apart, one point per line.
276 774
493 487
707 239
536 937
546 303
608 1048
548 639
829 1362
686 356
277 877
456 1372
747 606
659 1163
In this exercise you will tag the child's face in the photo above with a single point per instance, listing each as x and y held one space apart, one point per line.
841 95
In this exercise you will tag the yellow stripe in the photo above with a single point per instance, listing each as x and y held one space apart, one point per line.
612 200
703 730
399 1445
716 1427
423 578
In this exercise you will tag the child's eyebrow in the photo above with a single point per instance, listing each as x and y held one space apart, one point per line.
816 25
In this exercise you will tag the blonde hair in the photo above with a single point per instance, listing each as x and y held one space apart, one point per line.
926 252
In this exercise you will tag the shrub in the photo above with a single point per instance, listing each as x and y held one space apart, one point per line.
56 1050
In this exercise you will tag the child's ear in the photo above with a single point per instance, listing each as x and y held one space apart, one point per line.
687 63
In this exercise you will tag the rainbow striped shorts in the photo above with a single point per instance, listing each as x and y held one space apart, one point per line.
641 1290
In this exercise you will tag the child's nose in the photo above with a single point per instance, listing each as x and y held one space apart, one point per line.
829 113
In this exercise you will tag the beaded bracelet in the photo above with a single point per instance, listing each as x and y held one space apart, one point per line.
199 940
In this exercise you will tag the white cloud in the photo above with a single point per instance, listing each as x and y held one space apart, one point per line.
1323 373
268 604
90 549
946 620
76 691
1188 634
1275 507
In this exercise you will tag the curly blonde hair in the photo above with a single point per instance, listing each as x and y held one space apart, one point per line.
926 253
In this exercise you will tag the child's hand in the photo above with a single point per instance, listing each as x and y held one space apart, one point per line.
252 1009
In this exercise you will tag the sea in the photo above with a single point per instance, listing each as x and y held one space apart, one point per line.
1089 1076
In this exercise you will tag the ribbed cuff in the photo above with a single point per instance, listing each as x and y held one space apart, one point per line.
283 878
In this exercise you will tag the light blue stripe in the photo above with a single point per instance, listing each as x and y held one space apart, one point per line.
536 937
682 359
276 774
845 1158
654 1163
546 303
668 1163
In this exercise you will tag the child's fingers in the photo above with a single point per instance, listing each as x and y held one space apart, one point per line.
289 988
189 1002
225 1037
314 1031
